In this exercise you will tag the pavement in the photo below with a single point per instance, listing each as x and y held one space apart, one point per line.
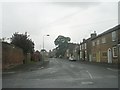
26 67
61 73
112 65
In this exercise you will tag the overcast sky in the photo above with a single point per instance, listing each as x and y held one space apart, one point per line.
76 20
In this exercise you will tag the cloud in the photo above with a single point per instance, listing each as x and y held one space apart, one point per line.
83 4
75 20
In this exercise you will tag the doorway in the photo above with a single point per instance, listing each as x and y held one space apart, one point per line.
109 55
98 56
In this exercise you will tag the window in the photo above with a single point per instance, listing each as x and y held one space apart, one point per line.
114 51
80 47
114 36
103 40
80 54
85 45
98 42
85 54
93 43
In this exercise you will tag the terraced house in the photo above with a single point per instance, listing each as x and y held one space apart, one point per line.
85 48
105 46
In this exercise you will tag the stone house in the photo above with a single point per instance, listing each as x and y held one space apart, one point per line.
76 52
105 46
69 51
119 46
72 50
85 48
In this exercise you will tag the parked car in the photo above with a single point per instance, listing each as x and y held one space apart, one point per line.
72 58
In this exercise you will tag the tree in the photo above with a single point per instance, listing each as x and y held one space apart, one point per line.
22 41
61 42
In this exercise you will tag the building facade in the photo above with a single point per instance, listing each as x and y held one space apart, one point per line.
72 51
105 46
85 48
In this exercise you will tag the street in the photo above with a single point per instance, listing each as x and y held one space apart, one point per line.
61 73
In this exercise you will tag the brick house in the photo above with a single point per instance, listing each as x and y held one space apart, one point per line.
11 55
105 46
36 56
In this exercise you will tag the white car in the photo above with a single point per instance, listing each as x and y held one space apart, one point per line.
72 58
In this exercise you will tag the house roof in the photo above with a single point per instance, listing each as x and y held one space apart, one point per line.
108 31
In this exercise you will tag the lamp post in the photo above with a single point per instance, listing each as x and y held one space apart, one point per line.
43 46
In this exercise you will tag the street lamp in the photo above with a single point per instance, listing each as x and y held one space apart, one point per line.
43 39
43 46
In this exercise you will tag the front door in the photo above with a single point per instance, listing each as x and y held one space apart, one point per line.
109 56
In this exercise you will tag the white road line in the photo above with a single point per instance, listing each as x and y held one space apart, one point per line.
115 70
89 74
87 83
8 72
55 61
52 72
41 68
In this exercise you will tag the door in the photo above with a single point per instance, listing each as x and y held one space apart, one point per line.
98 56
90 58
109 56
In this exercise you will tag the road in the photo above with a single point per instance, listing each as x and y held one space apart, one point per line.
61 73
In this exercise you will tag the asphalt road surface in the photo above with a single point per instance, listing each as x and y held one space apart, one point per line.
61 73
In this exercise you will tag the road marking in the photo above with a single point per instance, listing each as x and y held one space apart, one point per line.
8 72
50 68
56 62
52 72
87 82
89 74
41 68
115 70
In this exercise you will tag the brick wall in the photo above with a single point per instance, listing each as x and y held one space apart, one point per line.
11 55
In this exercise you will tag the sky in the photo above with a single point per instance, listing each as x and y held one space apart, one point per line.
76 20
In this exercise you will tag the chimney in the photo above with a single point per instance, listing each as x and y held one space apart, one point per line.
93 34
83 40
